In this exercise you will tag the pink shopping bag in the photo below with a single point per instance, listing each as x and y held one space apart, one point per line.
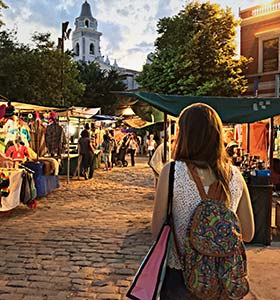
148 280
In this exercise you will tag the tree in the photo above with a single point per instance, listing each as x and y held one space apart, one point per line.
99 86
2 5
195 54
35 75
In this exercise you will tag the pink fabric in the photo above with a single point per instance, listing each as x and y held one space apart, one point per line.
146 282
2 110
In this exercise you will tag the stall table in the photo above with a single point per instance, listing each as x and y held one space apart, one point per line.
44 184
73 164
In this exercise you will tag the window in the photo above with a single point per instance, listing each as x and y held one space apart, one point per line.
86 23
91 49
77 49
271 55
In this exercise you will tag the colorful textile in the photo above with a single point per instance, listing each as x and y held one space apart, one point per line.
215 265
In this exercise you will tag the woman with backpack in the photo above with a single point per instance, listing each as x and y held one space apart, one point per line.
200 157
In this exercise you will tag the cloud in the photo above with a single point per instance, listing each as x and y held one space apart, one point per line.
113 34
128 26
163 9
145 45
124 11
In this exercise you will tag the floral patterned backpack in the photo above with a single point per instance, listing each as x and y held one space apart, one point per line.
214 264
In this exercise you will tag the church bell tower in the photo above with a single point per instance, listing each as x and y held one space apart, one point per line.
85 37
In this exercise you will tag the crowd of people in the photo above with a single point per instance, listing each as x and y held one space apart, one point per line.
114 151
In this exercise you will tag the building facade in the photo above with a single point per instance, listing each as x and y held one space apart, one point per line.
86 46
260 38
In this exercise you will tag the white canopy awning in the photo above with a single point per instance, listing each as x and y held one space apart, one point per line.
80 112
25 107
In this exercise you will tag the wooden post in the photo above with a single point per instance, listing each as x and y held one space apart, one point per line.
68 147
248 138
271 143
165 138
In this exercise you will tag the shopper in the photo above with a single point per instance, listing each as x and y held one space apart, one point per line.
151 145
132 147
87 152
199 143
106 147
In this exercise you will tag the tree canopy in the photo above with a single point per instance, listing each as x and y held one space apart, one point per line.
2 5
195 54
43 74
37 75
99 84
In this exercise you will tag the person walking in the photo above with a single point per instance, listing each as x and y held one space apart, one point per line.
151 145
132 147
86 151
106 146
199 144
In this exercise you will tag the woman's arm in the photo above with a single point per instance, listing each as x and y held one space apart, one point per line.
245 214
161 201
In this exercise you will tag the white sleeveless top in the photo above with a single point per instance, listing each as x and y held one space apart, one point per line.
185 199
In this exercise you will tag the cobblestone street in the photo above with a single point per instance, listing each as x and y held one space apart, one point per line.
86 240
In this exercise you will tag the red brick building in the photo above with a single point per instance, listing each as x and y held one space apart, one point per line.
260 38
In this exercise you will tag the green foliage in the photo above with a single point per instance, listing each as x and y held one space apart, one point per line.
99 85
35 75
195 54
2 5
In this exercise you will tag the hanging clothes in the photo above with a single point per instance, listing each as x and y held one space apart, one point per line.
28 190
17 152
258 139
37 136
11 130
24 132
55 139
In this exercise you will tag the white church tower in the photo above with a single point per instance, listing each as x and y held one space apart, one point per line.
86 46
85 37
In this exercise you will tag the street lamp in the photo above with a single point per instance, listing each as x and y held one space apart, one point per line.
65 34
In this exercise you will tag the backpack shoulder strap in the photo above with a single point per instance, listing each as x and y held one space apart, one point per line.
197 181
170 189
215 189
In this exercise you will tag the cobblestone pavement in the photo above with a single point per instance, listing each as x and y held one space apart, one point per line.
85 240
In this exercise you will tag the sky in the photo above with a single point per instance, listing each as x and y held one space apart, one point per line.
128 27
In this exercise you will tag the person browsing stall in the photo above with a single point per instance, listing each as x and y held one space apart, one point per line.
86 151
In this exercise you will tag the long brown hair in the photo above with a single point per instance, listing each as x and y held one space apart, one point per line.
200 142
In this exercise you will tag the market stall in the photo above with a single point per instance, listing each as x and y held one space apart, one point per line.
231 111
71 121
22 142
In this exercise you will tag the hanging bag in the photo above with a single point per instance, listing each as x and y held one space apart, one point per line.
148 280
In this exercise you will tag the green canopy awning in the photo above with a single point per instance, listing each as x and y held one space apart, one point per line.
231 110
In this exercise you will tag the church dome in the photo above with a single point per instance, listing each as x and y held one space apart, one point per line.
86 10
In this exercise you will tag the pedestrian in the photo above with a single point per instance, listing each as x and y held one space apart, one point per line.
132 147
106 146
199 143
151 144
113 156
86 151
86 128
